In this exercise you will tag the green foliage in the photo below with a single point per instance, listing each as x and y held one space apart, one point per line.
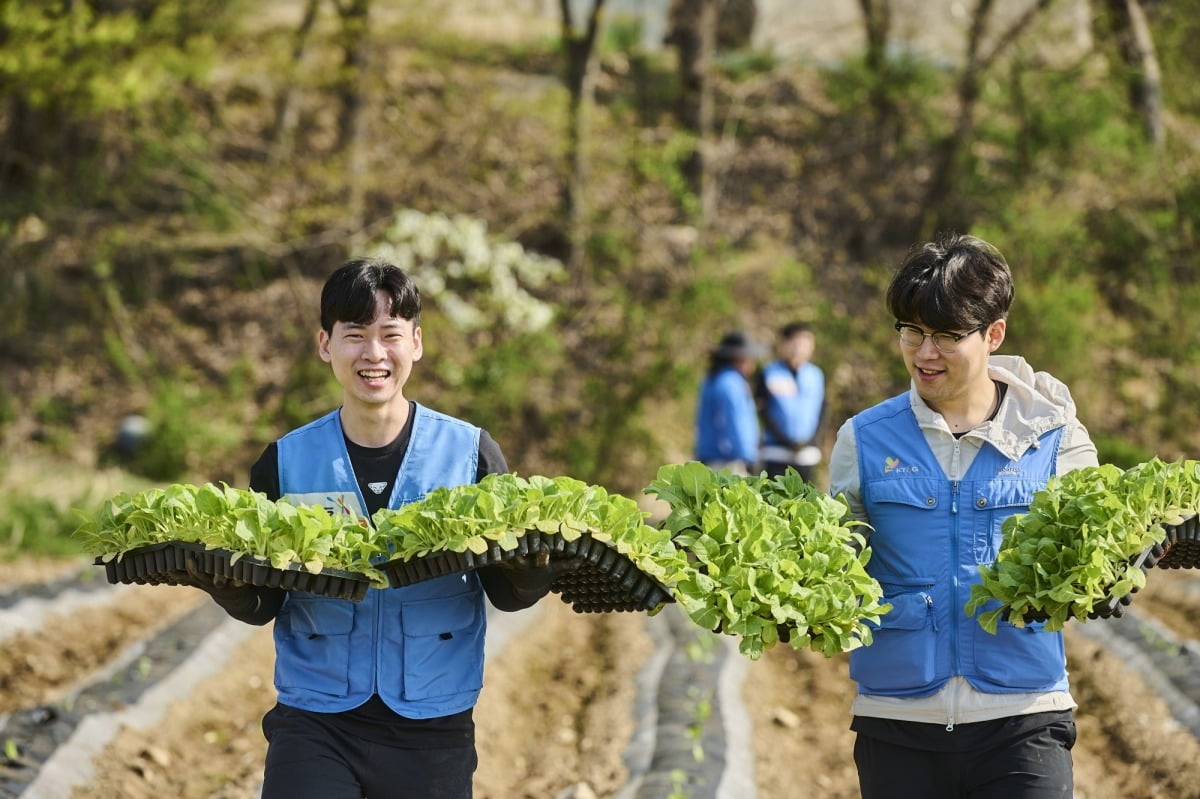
242 522
1120 451
501 508
1064 124
36 525
906 82
185 433
77 56
749 557
664 166
1053 323
622 33
71 67
768 558
1074 548
1176 28
745 64
503 380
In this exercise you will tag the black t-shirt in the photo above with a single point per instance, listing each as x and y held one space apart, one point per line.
375 468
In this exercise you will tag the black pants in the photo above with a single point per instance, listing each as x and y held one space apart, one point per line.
1011 759
309 759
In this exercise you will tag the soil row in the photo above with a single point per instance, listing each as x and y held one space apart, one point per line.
560 714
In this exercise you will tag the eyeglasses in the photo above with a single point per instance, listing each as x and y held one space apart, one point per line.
946 342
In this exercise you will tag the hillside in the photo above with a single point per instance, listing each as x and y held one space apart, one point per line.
181 276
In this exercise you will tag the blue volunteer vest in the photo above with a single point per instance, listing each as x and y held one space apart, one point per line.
419 647
797 408
726 419
930 536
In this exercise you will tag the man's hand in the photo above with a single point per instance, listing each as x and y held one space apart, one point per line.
226 591
535 573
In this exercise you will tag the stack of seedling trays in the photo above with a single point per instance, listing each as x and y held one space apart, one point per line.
155 563
603 579
1181 547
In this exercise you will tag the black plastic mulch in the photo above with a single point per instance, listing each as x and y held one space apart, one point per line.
35 733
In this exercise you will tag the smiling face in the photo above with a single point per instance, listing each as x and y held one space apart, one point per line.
946 380
372 361
954 284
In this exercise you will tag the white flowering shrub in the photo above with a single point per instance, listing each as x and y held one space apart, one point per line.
477 281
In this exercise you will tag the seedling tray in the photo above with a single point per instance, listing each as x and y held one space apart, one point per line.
603 580
152 564
1181 547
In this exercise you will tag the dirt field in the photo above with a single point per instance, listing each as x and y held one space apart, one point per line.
557 711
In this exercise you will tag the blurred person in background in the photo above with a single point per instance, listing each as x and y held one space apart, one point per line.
790 393
727 431
946 710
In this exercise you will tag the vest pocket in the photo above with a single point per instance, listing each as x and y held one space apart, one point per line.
901 655
443 646
1024 658
995 501
313 638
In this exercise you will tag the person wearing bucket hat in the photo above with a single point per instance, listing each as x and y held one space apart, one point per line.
727 430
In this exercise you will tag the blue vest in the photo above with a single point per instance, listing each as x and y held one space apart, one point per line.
793 401
930 536
419 647
726 419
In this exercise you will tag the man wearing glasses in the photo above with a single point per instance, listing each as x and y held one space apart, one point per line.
944 709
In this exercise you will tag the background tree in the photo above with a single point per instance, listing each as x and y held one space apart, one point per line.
579 48
693 25
941 206
354 36
183 230
1135 41
285 106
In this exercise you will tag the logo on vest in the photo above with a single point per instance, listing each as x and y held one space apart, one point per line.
377 487
1010 470
892 465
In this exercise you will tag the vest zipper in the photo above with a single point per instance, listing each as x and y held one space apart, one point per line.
954 601
953 703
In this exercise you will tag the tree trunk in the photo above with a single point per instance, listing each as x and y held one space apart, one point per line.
694 32
883 132
352 123
285 106
580 81
877 19
1136 43
940 208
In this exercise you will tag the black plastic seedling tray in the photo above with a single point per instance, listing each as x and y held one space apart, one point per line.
152 565
604 580
1181 547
